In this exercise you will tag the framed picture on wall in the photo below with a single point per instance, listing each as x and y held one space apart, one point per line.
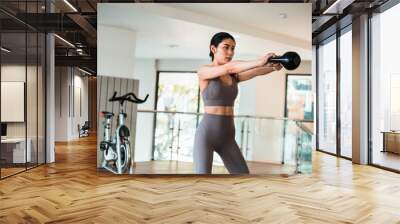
299 100
12 101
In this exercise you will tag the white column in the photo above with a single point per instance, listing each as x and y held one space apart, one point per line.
50 99
50 92
360 90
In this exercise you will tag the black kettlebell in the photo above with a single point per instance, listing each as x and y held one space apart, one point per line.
290 60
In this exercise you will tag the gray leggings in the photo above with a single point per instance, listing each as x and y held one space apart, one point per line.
217 132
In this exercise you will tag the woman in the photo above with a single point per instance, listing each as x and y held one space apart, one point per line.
218 86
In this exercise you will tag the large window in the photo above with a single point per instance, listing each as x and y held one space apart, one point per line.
346 93
335 73
299 97
173 138
385 89
327 96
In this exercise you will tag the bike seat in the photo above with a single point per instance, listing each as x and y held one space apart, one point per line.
107 114
124 131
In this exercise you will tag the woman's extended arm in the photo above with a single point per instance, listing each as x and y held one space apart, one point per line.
263 70
232 67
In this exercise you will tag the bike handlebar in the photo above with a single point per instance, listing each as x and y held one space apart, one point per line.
127 97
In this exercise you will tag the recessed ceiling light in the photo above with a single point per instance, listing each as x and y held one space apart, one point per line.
84 71
5 50
338 6
65 41
70 5
283 15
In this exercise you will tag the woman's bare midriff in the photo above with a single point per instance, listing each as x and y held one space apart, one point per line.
219 110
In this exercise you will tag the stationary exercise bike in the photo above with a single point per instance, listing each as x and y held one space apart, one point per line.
116 150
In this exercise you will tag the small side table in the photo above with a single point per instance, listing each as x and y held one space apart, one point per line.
14 149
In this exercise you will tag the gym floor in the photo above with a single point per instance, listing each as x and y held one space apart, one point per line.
72 191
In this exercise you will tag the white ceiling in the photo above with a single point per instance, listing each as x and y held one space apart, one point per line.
266 17
258 27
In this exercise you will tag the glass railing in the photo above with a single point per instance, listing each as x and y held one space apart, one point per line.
269 145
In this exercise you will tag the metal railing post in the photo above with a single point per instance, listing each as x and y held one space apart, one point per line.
242 126
298 145
178 135
171 128
247 137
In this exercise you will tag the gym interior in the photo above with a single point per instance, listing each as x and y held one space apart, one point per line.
322 141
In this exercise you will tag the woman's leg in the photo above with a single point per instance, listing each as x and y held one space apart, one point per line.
202 152
233 158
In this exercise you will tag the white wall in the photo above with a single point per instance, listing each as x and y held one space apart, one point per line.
66 121
61 104
185 65
14 72
80 82
111 41
145 71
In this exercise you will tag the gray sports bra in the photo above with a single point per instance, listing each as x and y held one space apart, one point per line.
219 94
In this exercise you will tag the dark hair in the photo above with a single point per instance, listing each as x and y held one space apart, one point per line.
217 39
